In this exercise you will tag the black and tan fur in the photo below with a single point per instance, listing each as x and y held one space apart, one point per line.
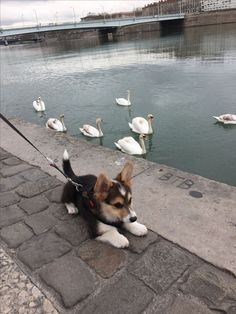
105 204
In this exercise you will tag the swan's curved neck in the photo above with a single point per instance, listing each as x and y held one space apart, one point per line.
63 124
128 96
150 130
99 128
142 144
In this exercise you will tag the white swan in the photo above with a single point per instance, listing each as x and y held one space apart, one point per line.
141 125
123 101
129 146
226 118
91 131
56 124
39 105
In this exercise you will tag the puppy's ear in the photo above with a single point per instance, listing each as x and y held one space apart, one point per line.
126 173
102 187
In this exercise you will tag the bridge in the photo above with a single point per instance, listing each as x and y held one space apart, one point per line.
95 24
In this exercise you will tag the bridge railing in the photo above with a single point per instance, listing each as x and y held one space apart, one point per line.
90 24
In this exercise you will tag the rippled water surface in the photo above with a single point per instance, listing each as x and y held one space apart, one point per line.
182 79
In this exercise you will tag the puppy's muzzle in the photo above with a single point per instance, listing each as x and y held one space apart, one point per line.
133 219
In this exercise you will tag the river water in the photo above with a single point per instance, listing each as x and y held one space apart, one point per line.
183 79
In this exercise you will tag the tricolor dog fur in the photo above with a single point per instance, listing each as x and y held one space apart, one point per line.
105 204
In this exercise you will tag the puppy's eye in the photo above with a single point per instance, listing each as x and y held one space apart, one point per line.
130 200
118 205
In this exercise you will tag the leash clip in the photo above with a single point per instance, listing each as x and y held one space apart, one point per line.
79 187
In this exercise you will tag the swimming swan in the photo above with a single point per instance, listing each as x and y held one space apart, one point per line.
123 101
141 125
91 131
226 118
56 124
39 105
129 146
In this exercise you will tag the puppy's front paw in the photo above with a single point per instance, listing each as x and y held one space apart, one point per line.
136 228
120 242
71 208
114 238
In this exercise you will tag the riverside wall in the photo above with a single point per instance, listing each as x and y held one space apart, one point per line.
210 18
191 20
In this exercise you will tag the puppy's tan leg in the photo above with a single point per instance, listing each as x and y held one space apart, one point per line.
109 234
71 208
136 228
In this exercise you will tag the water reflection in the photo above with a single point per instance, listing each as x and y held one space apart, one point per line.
225 126
149 138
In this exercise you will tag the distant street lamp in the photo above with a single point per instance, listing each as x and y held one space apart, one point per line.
74 15
103 13
56 16
36 18
22 18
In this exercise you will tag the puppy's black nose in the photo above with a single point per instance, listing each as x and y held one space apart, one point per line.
133 219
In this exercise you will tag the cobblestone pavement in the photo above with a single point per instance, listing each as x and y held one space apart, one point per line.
80 275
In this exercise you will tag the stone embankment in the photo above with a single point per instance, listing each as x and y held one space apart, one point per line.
66 272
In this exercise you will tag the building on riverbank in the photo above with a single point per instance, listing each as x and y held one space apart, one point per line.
186 6
212 5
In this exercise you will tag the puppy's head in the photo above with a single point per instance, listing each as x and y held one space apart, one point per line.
115 196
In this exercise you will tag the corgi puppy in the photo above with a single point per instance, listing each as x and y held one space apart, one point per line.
105 204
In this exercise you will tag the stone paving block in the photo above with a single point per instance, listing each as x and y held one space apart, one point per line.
60 212
8 171
55 194
160 303
160 266
42 250
4 154
188 305
28 189
8 198
16 234
12 161
41 222
34 174
232 309
139 244
128 295
10 215
34 204
70 278
103 258
211 285
7 184
75 230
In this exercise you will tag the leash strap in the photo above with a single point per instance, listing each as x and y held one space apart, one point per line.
22 135
79 187
50 161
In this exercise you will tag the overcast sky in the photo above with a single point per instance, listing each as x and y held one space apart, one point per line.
24 12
